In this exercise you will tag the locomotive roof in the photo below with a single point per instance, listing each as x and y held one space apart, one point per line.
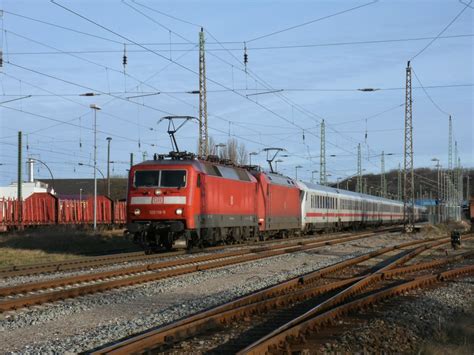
169 162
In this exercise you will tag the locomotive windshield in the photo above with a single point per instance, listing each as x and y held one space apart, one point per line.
160 178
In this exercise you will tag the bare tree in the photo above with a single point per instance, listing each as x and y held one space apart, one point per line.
242 154
212 146
233 151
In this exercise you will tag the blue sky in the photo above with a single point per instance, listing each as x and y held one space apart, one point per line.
55 80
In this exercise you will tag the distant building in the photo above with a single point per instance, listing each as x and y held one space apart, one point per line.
27 189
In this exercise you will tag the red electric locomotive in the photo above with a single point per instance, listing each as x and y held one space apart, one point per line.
182 201
179 200
278 205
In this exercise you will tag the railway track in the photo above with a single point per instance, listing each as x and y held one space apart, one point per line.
29 294
318 299
93 262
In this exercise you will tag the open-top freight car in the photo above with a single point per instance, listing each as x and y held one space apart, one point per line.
41 209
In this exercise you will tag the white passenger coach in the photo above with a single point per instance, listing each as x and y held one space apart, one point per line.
327 208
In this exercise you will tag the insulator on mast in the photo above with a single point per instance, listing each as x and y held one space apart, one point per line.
124 58
246 56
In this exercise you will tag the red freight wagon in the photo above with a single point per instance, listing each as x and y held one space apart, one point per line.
39 208
189 201
279 205
82 211
120 212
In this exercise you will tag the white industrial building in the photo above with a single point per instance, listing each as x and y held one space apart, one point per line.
28 187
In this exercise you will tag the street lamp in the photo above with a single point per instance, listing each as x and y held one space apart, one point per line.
95 108
220 145
108 165
104 187
276 164
296 171
250 157
47 167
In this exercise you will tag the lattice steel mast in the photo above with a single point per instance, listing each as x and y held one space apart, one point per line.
322 161
203 150
359 170
408 175
450 168
383 182
399 183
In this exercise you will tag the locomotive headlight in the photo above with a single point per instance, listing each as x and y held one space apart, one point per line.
137 212
157 192
179 211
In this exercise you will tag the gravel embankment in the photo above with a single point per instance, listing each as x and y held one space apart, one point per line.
434 321
90 321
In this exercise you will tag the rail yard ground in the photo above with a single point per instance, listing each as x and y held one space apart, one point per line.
430 320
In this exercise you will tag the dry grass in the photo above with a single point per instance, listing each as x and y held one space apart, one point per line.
55 244
453 338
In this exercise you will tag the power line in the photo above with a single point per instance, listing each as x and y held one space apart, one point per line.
442 31
428 95
238 49
144 93
310 22
61 27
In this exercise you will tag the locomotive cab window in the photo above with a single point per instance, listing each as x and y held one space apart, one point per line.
173 178
147 178
160 178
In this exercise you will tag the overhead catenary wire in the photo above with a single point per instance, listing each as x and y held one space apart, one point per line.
238 49
121 42
310 22
428 95
441 32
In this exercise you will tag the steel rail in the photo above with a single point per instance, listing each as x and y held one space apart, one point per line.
264 299
86 262
60 282
350 291
299 332
233 258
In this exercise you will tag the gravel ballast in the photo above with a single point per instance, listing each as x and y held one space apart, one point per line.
435 320
90 321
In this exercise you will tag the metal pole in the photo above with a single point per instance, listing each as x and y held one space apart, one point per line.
20 182
408 173
203 133
131 159
80 195
468 186
322 161
95 167
108 165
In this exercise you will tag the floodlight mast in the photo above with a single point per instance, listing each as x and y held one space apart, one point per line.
172 129
271 158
